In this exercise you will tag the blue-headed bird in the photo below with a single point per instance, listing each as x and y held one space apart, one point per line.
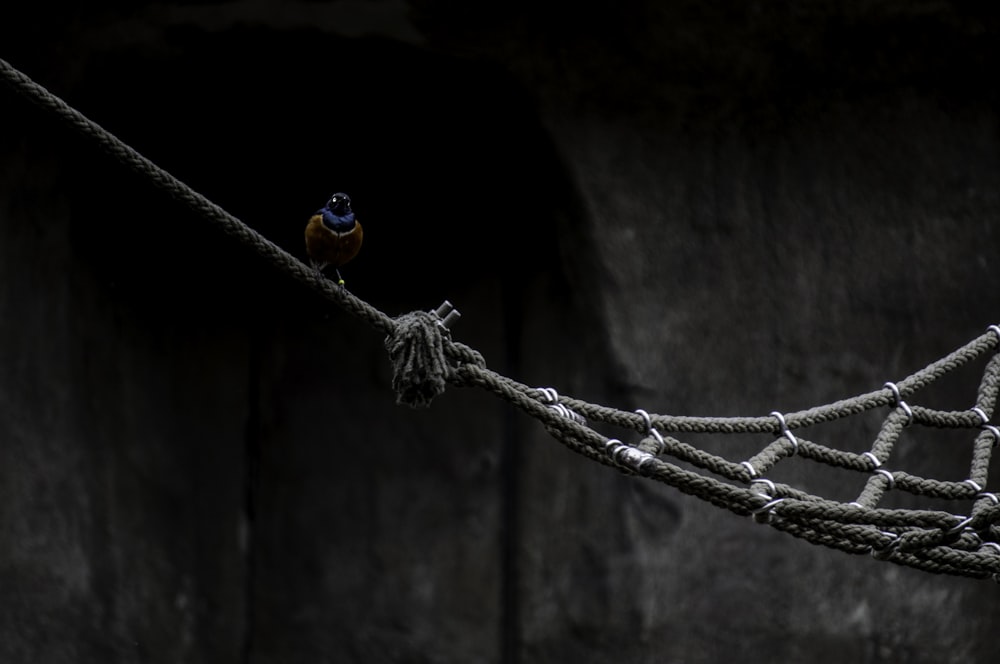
333 235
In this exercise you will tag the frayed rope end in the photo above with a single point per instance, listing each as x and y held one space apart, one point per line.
419 367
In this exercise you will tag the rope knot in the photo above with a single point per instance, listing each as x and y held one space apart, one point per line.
416 348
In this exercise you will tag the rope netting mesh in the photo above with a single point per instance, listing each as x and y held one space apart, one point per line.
963 542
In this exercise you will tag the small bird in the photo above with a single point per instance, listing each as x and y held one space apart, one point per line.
333 235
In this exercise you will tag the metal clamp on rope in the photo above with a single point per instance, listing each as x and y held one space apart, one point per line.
551 397
885 552
956 531
627 455
447 315
764 513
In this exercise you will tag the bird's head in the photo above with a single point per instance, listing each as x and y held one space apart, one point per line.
340 204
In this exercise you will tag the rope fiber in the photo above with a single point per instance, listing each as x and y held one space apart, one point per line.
419 366
425 360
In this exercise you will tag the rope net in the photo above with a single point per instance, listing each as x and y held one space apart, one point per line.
425 359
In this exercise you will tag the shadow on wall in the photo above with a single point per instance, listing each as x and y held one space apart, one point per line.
453 176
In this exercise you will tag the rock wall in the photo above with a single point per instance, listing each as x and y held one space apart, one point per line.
691 208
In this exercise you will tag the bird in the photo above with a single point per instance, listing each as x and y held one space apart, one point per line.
333 235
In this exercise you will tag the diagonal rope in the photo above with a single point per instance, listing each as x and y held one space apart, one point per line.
425 359
213 213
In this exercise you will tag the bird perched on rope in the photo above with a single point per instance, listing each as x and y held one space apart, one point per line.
333 235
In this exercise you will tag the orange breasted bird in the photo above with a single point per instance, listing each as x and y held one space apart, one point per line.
333 235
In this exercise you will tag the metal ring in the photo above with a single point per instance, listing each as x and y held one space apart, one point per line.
884 552
551 398
898 401
994 432
651 430
989 496
974 485
982 416
909 413
785 430
750 468
768 506
549 394
568 413
874 459
959 527
768 483
990 545
855 503
612 442
888 476
995 329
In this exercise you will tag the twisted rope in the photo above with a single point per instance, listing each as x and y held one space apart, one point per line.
425 360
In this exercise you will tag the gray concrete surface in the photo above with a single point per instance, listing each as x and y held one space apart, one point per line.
692 208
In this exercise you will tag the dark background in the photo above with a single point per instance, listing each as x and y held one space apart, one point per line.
706 208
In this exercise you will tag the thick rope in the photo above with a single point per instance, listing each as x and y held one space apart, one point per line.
425 360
